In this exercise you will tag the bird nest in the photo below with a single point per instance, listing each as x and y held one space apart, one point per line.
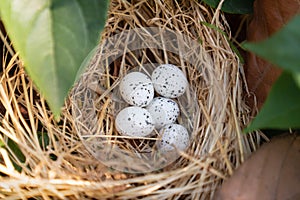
83 156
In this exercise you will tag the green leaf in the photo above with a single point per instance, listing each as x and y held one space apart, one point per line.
297 78
282 49
44 140
17 152
282 107
1 143
233 6
85 63
53 37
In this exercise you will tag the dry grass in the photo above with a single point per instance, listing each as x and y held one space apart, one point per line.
66 169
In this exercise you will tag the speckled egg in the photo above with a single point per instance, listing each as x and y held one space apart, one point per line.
173 135
169 81
163 111
137 89
134 121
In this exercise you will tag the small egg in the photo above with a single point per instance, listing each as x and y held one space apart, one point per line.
134 121
173 135
163 111
169 81
137 89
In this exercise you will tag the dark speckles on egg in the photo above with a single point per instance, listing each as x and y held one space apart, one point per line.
163 110
134 121
164 82
176 135
135 87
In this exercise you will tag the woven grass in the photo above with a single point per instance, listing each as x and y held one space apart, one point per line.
60 166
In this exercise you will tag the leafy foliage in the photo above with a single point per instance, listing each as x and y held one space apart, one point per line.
282 108
53 37
233 6
17 152
282 49
44 140
1 143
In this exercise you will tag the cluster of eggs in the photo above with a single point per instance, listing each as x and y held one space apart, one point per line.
147 112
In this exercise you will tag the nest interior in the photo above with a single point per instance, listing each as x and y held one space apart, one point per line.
57 161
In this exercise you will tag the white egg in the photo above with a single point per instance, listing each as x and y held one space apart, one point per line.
137 89
163 111
169 81
173 135
134 121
